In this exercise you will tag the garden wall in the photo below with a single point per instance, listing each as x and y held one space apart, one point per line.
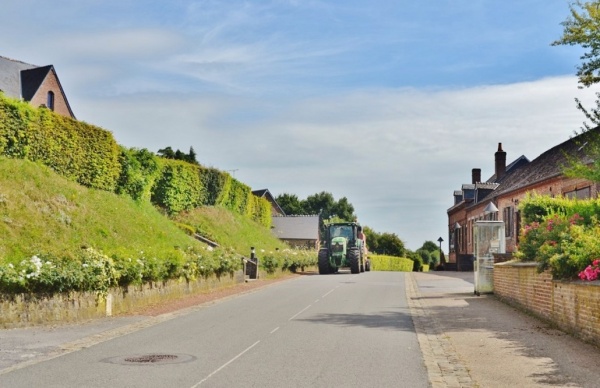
30 309
574 306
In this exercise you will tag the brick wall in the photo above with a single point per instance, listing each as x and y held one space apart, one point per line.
574 306
51 84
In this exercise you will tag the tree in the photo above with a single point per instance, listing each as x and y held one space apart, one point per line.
430 246
582 28
372 239
344 209
321 203
167 153
290 204
390 244
191 157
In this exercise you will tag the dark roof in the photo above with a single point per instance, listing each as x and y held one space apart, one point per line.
516 164
32 79
548 165
296 227
10 76
265 193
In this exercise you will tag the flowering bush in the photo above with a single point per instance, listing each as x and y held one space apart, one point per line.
562 245
93 271
591 272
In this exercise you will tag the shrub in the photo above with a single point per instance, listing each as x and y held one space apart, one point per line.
560 234
270 263
390 263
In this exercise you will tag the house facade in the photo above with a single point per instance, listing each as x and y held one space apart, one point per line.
498 197
38 85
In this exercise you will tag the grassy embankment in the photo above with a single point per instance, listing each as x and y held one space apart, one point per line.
42 213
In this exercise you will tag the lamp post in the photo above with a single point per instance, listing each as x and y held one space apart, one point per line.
442 261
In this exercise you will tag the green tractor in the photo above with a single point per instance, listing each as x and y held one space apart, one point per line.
344 246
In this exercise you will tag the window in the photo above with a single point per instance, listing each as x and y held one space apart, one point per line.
508 218
583 193
50 101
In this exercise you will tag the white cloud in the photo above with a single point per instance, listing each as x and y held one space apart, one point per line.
397 155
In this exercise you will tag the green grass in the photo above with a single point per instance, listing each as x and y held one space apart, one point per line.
43 213
230 230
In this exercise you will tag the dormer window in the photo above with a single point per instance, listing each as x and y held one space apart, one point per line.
50 101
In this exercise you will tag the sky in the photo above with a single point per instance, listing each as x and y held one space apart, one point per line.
389 104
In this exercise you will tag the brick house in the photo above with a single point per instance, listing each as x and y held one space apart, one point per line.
498 198
38 85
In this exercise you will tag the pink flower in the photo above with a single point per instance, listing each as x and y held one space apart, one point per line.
591 273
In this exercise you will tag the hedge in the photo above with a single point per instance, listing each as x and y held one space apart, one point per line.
390 263
90 156
84 153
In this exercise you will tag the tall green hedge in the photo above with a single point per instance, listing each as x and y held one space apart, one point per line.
90 156
179 187
84 153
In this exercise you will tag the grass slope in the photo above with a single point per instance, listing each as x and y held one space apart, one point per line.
43 213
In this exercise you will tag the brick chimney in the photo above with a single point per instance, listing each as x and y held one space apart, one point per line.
500 162
476 175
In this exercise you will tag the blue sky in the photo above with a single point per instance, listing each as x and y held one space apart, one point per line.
387 103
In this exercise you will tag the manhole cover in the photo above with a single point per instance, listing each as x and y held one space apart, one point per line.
150 359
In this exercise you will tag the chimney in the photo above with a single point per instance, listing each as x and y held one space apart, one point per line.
476 175
500 162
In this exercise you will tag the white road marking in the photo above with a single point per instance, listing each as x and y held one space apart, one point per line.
303 310
224 365
274 330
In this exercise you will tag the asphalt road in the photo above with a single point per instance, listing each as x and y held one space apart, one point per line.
339 330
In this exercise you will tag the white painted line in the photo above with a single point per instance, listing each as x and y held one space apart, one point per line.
328 293
224 365
274 330
303 310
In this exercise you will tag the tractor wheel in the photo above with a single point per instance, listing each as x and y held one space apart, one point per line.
353 259
324 267
368 265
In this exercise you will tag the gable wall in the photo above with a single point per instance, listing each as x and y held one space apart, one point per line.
51 84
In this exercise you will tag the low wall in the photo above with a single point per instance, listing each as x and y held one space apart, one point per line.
34 309
574 306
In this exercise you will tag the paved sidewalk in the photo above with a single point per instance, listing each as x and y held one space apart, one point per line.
471 341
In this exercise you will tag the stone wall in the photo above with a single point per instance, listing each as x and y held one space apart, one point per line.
574 306
35 309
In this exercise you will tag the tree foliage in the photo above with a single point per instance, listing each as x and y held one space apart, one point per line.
430 246
322 203
582 28
168 153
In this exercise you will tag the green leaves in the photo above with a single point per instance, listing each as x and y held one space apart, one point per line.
582 28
